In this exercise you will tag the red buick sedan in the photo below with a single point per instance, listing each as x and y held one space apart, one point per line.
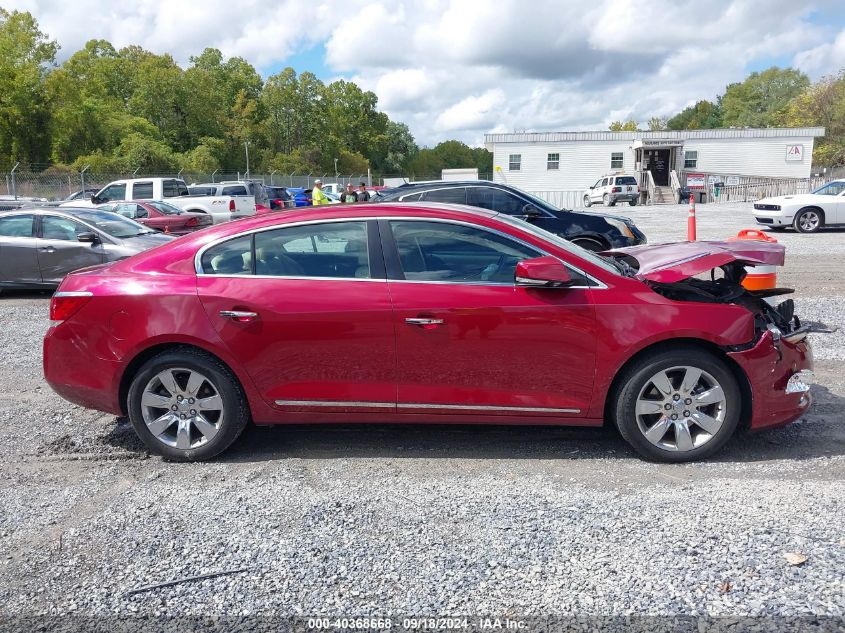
426 313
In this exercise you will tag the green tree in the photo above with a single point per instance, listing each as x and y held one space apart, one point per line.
627 126
401 149
821 104
703 115
657 123
26 54
759 100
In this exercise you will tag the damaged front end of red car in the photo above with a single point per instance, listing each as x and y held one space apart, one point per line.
778 360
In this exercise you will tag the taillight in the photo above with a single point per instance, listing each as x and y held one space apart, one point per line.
638 188
231 205
616 190
64 305
193 222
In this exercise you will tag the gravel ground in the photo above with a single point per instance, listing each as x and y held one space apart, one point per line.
418 521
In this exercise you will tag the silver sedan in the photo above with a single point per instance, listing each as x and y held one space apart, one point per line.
38 247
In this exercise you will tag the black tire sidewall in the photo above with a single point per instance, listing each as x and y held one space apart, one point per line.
235 409
642 370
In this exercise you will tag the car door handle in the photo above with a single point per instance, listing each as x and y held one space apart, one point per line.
48 249
424 321
241 316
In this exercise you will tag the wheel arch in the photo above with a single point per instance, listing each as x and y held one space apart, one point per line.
742 380
810 207
134 366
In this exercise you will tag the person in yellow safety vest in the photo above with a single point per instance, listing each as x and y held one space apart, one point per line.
317 195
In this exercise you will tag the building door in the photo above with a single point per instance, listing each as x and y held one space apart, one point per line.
659 163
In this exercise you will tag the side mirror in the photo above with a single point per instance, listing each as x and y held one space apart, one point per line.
95 199
530 211
89 237
592 186
542 272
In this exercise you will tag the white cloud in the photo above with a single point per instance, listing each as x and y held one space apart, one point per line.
824 59
455 69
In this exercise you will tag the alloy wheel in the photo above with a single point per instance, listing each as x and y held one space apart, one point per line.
681 408
809 221
182 408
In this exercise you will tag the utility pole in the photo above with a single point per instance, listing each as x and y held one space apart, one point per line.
14 188
246 149
82 177
335 169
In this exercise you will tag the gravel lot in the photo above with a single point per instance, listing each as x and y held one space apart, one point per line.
428 521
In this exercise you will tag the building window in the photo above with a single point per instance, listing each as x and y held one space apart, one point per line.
514 162
616 160
690 159
553 161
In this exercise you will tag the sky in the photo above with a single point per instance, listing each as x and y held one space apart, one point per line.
458 69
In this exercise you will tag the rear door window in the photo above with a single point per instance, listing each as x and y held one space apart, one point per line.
142 191
333 250
16 226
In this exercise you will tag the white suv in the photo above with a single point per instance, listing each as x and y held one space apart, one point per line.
611 189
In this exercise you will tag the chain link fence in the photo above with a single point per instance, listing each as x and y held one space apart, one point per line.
53 184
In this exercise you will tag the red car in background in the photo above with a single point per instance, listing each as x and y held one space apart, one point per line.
160 216
420 312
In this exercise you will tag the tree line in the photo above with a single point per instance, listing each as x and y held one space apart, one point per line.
118 110
777 97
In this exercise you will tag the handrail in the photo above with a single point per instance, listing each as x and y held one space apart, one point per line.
647 183
674 180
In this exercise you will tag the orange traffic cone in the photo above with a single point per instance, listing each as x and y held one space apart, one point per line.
758 277
166 229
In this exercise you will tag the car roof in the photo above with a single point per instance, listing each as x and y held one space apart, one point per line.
351 212
447 183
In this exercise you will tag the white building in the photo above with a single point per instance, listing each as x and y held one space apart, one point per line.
552 164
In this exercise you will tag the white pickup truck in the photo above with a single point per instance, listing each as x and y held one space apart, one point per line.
174 191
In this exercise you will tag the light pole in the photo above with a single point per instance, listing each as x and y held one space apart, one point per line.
246 149
335 169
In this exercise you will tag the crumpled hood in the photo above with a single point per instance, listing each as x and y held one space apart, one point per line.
668 263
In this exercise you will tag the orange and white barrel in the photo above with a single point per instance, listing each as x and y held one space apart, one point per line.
758 277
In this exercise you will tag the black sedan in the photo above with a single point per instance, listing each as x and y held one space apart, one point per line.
592 231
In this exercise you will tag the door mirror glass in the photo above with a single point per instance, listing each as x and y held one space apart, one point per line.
87 237
542 272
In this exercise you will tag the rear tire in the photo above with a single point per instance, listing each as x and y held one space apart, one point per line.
186 405
633 202
587 202
809 220
677 405
606 200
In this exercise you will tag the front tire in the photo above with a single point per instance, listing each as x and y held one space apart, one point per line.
677 405
809 220
587 202
186 405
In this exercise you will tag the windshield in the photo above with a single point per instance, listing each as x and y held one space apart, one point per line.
112 223
167 209
831 189
603 262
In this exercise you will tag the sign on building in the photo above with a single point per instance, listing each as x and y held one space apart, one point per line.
695 181
795 153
